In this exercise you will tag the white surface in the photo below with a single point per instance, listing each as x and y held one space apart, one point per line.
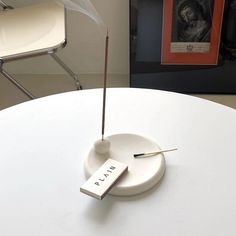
35 28
44 143
143 173
104 178
102 146
85 46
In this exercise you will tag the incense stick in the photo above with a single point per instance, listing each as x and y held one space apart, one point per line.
153 153
105 86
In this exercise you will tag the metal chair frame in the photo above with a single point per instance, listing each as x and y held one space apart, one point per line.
51 52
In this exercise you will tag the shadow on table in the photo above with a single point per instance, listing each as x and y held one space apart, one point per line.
100 211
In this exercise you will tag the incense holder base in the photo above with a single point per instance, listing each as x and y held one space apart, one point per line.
143 172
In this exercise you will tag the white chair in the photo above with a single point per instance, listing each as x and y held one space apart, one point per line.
32 31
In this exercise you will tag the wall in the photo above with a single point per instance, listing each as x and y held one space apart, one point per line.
84 52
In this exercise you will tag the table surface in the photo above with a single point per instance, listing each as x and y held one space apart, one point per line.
44 142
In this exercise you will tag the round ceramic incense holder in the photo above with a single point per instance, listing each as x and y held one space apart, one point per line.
143 173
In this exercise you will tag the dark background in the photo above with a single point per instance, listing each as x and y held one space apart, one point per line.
145 55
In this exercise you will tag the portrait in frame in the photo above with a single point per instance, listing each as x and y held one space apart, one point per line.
191 31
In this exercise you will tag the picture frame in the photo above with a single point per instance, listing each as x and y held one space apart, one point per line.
191 31
147 70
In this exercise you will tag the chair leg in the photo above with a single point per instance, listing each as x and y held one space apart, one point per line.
5 6
67 69
16 83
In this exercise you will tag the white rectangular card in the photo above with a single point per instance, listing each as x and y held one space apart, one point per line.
100 183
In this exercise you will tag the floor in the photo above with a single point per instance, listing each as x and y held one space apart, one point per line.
43 85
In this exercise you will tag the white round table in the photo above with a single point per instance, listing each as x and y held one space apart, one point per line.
43 144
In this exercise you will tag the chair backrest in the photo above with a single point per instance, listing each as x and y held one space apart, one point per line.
32 30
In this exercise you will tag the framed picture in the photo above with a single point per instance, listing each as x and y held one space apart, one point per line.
162 58
191 31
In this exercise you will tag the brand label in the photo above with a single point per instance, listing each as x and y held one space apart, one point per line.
100 183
